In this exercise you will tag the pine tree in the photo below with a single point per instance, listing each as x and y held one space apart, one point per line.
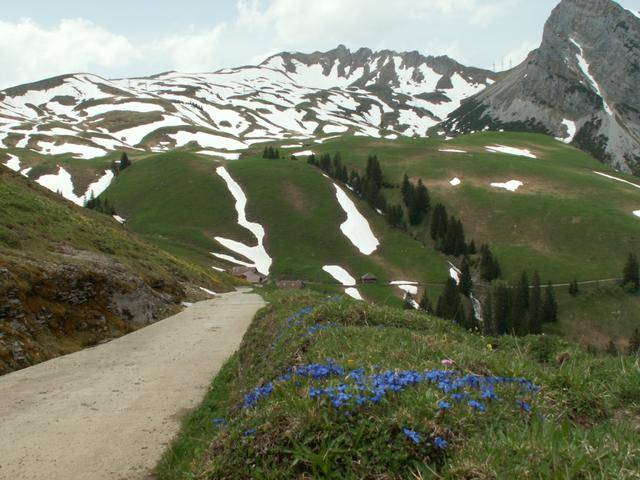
519 306
634 342
449 304
436 221
550 306
419 204
337 166
466 283
311 159
425 303
489 265
374 172
471 249
395 216
631 274
124 161
535 305
407 190
325 164
488 324
501 308
265 152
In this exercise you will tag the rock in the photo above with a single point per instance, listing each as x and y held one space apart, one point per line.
586 73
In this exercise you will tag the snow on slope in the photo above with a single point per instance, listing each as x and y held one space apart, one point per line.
345 278
356 228
340 274
584 66
520 152
257 255
511 185
61 182
571 131
622 180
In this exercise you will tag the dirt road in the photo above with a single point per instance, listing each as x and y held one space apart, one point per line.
110 411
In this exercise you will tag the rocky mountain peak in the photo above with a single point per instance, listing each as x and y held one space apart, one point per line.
580 85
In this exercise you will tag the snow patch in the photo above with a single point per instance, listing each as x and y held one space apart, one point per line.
511 185
305 153
353 293
637 213
571 131
340 275
207 140
218 269
83 151
13 163
521 152
356 228
123 107
258 255
584 66
617 179
119 219
207 291
225 155
451 150
455 182
62 183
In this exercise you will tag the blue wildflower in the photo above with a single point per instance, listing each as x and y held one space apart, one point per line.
442 405
477 406
412 435
250 432
489 394
524 405
440 443
219 422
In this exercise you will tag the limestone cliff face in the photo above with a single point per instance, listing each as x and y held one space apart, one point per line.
582 85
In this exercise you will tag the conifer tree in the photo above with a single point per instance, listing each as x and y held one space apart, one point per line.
471 249
466 283
438 222
337 166
550 306
449 304
311 159
407 190
501 308
374 172
535 305
488 324
124 161
425 303
631 274
519 306
395 216
325 163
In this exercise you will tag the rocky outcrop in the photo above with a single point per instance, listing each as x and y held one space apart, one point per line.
580 86
49 309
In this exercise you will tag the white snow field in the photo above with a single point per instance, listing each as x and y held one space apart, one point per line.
451 150
511 185
617 179
356 228
305 153
345 279
119 219
133 136
207 140
454 272
584 66
454 182
637 213
340 275
62 183
82 151
225 155
520 152
571 131
406 286
13 163
123 107
257 255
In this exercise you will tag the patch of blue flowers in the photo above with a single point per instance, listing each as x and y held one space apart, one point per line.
476 391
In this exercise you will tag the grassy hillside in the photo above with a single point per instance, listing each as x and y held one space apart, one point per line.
323 388
565 221
71 277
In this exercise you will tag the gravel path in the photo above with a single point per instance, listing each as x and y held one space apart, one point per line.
109 412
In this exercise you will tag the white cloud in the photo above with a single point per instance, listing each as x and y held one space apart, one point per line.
191 52
31 52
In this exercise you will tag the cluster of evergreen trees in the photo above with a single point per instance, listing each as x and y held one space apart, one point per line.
102 206
455 303
368 186
520 309
271 153
489 265
416 199
448 233
124 163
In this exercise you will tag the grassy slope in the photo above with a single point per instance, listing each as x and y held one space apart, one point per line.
583 422
35 224
562 216
178 202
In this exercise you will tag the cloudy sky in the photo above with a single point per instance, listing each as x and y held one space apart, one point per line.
44 38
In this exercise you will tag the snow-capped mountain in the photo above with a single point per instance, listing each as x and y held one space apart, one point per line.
580 86
289 96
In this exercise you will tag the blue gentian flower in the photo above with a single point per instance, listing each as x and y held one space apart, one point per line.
440 443
412 435
442 405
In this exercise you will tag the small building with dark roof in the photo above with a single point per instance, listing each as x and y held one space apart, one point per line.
368 278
